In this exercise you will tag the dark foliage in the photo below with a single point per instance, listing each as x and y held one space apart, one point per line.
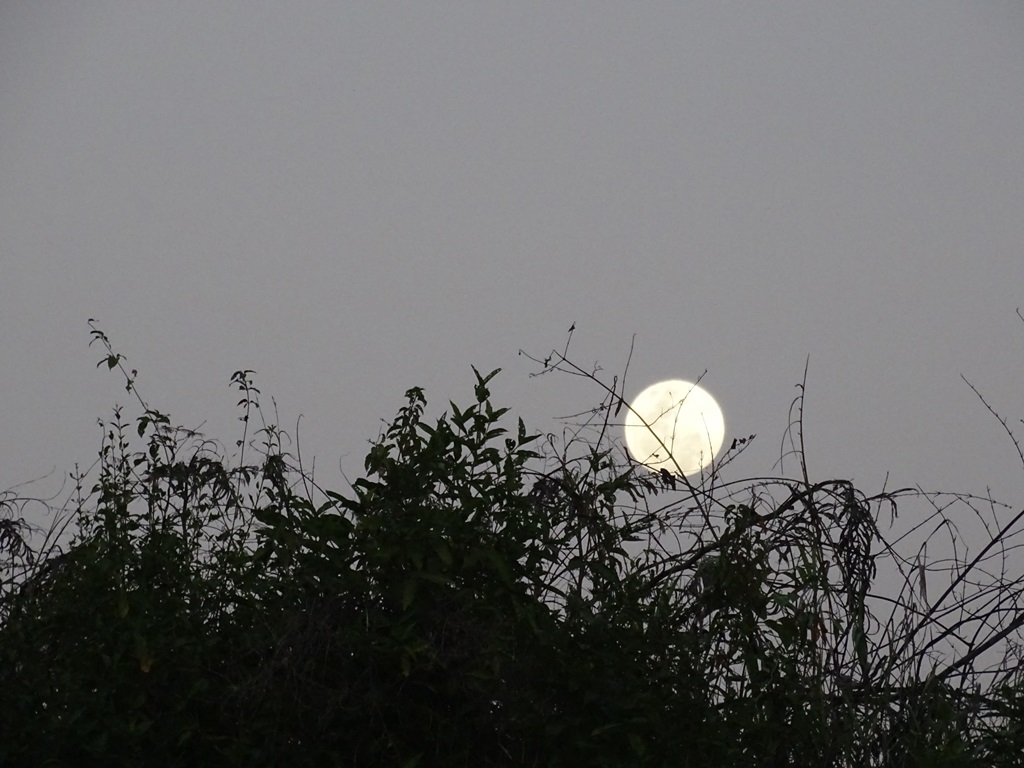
483 597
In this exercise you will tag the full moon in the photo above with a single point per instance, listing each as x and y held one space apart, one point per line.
676 426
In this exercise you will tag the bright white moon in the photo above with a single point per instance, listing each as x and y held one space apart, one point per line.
676 426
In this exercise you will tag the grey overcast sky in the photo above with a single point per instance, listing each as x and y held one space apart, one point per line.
356 198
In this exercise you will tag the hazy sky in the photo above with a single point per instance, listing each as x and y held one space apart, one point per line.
354 199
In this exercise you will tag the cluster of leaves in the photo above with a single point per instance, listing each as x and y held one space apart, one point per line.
481 597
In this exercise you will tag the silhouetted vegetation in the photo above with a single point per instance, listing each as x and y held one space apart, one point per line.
488 596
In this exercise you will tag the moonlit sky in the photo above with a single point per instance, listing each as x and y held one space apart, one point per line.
353 199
